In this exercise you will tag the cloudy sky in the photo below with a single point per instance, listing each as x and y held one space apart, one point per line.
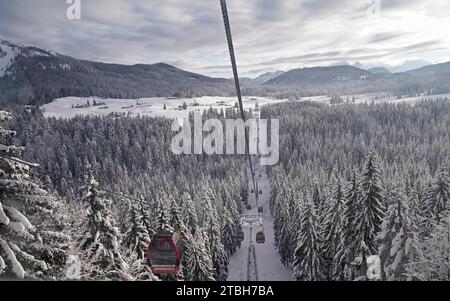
269 34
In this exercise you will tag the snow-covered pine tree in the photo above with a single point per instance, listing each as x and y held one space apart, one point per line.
162 214
188 213
135 241
220 262
439 202
205 206
334 226
426 215
342 264
308 260
49 216
99 242
294 224
281 215
140 271
199 266
211 222
287 238
413 244
436 263
228 233
230 223
178 225
275 185
392 239
371 209
26 251
175 219
144 210
318 200
136 237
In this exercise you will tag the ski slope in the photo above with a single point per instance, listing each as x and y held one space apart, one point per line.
268 261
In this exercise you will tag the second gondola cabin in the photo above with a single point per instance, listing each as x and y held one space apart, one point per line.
241 236
260 237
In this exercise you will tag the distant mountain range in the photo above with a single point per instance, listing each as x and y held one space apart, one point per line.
33 75
261 79
379 70
347 80
264 78
408 66
348 73
404 67
319 75
436 69
30 74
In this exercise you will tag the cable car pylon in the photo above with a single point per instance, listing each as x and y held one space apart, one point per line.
252 267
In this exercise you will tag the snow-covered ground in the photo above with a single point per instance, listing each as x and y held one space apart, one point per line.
374 98
69 107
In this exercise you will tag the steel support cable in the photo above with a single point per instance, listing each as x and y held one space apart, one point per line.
226 21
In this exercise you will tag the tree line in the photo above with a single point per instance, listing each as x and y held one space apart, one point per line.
362 180
51 221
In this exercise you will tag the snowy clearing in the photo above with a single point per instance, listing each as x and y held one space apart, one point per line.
69 107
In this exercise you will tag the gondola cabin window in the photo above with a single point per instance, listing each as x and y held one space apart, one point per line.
163 254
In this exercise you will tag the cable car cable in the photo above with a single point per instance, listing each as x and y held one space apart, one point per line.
238 87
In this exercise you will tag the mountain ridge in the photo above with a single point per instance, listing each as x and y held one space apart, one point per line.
441 68
32 75
319 75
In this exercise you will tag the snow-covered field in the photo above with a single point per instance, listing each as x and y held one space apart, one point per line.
374 98
69 107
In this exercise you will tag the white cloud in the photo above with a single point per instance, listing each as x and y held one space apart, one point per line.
269 34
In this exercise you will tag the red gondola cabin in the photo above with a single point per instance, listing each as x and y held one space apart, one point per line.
165 252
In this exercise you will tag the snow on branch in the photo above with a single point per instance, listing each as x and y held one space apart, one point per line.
16 267
5 116
16 215
3 218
